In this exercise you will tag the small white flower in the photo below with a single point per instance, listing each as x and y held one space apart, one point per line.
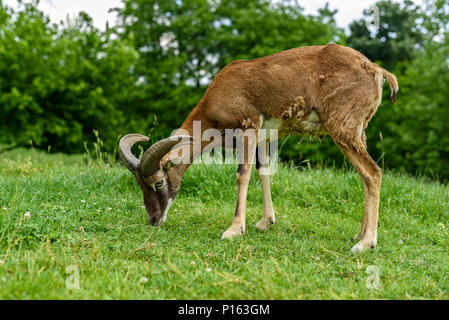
27 215
4 208
109 209
193 263
2 262
208 270
98 211
83 201
143 280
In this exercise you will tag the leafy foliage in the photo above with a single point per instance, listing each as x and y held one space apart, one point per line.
415 131
417 138
60 82
396 38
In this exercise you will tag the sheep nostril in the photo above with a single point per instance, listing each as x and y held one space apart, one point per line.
152 221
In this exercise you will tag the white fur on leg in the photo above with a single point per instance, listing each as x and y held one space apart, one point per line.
364 245
233 231
265 223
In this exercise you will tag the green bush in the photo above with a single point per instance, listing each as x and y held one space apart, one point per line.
58 83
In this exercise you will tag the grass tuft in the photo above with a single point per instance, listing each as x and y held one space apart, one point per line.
89 216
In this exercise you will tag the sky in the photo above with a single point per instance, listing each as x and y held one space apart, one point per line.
348 10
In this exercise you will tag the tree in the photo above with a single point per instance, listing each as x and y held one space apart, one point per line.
417 129
397 37
58 83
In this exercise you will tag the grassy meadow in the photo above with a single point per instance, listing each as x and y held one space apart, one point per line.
60 217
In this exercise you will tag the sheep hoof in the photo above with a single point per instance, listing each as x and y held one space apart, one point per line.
364 245
264 224
233 232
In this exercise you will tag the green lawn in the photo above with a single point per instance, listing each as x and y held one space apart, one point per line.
90 218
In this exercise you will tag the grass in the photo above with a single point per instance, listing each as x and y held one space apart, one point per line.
90 217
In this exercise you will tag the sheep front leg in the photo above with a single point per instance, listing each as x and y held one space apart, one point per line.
243 177
238 225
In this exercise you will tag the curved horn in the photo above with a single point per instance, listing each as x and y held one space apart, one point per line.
125 145
151 158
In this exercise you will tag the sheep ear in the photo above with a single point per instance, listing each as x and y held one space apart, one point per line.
172 163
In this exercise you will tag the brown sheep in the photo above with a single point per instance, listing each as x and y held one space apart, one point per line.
313 91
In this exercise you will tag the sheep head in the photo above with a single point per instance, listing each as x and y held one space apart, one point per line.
157 173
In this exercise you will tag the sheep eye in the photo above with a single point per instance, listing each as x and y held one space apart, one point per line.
159 184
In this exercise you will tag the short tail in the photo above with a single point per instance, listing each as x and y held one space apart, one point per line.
393 82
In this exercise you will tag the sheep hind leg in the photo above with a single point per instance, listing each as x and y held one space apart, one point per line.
263 171
371 176
359 235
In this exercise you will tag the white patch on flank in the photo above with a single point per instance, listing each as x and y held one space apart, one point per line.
313 117
312 125
272 124
164 217
296 125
